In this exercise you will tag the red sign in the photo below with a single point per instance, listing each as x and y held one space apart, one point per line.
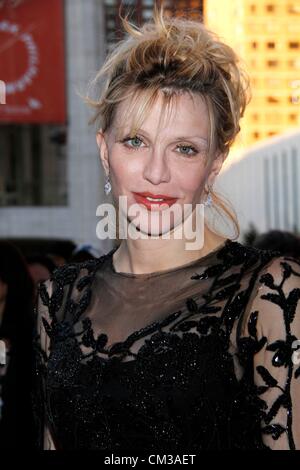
32 61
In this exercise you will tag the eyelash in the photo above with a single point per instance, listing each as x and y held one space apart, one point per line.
126 139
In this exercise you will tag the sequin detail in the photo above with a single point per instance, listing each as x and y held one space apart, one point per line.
215 373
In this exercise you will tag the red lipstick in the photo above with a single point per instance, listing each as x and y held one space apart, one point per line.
158 200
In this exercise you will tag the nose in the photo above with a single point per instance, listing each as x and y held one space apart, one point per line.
157 169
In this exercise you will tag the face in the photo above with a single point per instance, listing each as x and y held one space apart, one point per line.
38 272
166 160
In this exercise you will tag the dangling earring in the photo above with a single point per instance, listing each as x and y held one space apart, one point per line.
208 201
107 186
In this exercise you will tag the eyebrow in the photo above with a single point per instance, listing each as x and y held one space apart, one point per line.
180 137
191 137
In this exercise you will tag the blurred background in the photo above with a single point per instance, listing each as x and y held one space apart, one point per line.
51 179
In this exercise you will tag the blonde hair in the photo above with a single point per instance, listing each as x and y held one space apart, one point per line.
174 55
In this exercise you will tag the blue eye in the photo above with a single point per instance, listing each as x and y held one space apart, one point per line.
128 139
191 150
189 147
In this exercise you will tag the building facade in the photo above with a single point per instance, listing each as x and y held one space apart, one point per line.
266 35
264 186
54 191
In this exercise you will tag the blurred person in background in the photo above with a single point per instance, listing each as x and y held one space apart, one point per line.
40 267
16 324
61 252
287 243
84 252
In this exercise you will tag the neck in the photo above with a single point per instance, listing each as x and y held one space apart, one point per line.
155 254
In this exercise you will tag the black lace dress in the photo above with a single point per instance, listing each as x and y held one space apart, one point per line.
203 356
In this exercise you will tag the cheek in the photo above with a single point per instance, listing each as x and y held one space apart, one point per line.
191 182
124 170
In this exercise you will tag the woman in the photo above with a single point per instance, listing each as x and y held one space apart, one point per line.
157 346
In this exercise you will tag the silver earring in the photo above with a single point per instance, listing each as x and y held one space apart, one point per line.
107 186
208 201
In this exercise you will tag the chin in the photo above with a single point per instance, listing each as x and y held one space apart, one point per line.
153 229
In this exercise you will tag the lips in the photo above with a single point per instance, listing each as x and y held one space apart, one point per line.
141 198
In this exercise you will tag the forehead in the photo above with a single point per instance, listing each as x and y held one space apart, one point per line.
185 112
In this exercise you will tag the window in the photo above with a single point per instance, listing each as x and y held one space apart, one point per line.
294 44
32 165
254 45
272 99
293 117
272 63
255 135
271 45
270 8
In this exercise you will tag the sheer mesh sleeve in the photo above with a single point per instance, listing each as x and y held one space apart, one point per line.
41 343
272 331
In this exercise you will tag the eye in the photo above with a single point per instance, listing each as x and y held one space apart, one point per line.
187 147
136 139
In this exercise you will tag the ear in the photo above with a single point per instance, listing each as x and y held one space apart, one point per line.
103 150
216 168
